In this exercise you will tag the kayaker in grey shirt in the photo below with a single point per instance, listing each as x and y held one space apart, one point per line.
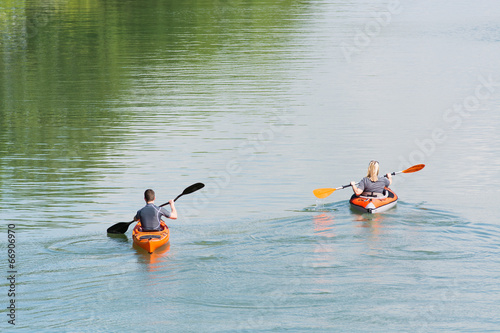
371 183
150 215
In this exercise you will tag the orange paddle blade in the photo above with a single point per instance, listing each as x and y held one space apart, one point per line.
414 168
322 193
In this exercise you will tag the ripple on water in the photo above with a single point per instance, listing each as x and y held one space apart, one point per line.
278 257
410 231
89 245
212 243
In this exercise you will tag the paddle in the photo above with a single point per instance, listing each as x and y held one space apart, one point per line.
122 227
324 192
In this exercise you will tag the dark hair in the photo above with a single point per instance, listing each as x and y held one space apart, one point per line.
149 195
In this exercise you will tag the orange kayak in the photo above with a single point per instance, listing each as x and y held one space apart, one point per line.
374 202
150 240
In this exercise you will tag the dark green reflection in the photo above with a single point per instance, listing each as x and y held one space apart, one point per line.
66 68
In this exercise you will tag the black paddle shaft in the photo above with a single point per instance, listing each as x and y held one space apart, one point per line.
122 227
188 190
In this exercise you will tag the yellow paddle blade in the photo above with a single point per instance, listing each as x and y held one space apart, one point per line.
414 168
322 193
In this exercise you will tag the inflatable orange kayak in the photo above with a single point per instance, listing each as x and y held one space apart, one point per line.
150 240
374 202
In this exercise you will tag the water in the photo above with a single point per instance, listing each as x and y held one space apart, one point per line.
263 102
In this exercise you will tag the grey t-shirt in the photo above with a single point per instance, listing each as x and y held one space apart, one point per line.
150 217
368 186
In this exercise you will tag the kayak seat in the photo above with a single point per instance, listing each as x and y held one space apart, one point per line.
374 195
150 237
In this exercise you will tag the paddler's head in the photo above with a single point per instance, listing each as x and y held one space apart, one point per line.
149 195
373 171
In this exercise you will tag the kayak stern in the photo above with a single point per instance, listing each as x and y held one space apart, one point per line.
150 240
374 203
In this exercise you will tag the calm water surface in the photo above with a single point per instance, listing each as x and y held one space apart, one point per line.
263 102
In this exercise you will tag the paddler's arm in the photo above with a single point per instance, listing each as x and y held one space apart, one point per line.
355 189
390 178
173 213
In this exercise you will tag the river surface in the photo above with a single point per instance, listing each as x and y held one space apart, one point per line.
263 102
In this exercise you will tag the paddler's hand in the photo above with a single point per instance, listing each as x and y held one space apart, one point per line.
353 185
355 189
173 213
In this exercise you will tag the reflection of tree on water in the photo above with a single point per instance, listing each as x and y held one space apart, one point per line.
62 64
57 125
74 76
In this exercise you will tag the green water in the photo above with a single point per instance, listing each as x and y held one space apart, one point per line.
263 101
